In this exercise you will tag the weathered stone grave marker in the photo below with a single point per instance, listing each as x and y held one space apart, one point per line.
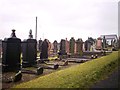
17 77
40 45
99 44
11 48
72 45
79 47
55 47
62 51
44 50
29 51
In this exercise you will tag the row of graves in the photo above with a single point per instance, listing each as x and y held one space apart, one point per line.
20 59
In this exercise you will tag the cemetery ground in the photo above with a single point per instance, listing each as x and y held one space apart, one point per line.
74 75
78 76
29 76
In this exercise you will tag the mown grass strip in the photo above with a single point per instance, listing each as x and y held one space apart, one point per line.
79 76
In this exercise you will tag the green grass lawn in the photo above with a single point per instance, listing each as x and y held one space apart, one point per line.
79 76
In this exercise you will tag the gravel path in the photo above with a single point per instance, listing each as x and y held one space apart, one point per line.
111 82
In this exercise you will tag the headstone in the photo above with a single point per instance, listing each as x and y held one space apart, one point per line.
29 51
79 46
99 44
40 45
86 45
55 50
44 50
56 66
65 63
17 77
62 47
39 70
67 46
104 42
72 45
49 47
75 48
89 43
11 48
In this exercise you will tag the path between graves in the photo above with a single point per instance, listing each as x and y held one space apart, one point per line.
110 82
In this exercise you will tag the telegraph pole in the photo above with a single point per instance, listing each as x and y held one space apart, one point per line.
36 30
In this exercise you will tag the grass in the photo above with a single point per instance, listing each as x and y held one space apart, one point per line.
52 58
79 76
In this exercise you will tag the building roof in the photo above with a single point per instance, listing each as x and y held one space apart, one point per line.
112 36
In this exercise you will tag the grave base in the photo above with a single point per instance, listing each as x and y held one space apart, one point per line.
11 68
28 64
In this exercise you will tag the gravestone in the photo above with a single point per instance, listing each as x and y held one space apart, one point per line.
72 45
11 48
104 43
55 47
79 46
75 48
50 48
86 45
56 66
67 46
40 45
89 43
62 47
17 77
29 51
99 44
44 50
39 70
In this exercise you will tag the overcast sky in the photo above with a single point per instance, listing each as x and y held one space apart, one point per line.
58 19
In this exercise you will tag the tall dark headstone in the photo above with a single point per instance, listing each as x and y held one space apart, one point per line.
72 46
55 47
29 51
104 42
62 47
44 50
11 48
86 45
40 45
